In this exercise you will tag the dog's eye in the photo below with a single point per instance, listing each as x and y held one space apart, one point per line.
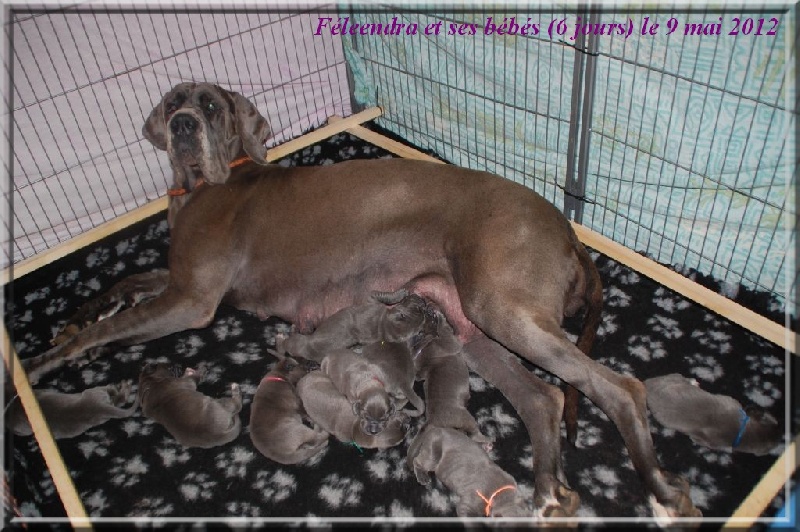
211 107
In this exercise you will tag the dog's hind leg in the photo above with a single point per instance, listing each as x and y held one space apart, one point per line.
540 406
529 332
592 302
172 311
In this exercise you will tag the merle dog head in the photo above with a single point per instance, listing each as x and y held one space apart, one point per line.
203 127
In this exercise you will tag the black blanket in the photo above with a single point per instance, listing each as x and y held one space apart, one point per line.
133 467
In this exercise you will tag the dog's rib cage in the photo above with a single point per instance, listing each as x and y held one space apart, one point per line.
84 80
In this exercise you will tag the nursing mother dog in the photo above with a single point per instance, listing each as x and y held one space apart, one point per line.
502 264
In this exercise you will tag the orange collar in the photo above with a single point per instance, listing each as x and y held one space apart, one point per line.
182 191
490 500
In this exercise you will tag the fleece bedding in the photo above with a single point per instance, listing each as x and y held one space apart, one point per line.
133 468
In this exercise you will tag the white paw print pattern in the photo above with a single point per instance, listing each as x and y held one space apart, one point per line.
275 487
189 347
388 465
588 435
608 325
197 486
125 472
439 499
245 353
97 257
617 364
766 364
227 327
600 481
148 256
713 339
171 453
88 288
127 245
705 367
668 302
666 326
760 392
495 422
94 501
614 297
152 506
234 462
37 295
337 491
703 487
65 279
645 348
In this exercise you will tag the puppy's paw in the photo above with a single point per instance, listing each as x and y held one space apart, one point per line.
236 391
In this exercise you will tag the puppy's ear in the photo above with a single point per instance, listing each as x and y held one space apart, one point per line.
252 128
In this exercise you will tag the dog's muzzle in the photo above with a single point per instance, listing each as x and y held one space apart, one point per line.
183 125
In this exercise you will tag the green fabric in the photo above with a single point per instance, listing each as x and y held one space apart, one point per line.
692 139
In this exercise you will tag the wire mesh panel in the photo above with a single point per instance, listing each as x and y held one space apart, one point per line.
83 81
490 102
689 139
692 141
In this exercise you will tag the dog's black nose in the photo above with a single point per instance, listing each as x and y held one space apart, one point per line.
182 124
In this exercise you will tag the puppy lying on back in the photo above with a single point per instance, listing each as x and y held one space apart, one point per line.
377 382
195 420
713 420
331 410
71 414
391 317
446 377
276 415
461 464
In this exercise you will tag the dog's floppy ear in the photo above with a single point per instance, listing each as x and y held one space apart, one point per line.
155 127
253 129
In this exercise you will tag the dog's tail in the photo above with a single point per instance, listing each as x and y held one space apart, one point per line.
593 298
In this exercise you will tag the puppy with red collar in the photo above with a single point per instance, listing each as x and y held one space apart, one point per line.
277 415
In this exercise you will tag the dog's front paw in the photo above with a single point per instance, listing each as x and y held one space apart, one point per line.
88 356
120 393
560 502
678 504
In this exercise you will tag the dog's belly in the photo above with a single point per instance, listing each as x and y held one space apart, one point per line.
305 301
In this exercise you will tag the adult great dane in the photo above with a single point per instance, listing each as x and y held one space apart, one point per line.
502 263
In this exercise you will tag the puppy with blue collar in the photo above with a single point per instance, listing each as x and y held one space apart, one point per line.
712 420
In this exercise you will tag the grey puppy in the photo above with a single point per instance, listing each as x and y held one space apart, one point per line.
377 382
276 415
331 410
390 317
462 465
71 414
713 420
442 367
194 419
